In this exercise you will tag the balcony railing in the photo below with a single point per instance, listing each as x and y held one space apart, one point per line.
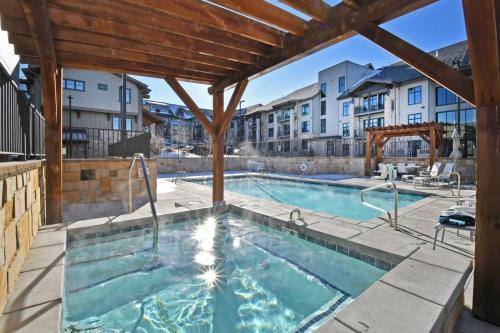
283 134
359 133
371 108
282 118
22 127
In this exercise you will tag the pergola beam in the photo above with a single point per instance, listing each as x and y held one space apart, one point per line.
317 9
264 11
186 99
215 16
231 107
482 21
425 63
319 36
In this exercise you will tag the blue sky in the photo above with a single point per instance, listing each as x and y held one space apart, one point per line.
431 27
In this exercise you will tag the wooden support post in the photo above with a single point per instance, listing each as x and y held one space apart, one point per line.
432 146
378 143
368 158
482 20
218 149
52 109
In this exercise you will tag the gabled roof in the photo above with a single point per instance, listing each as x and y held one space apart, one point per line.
173 110
298 95
397 73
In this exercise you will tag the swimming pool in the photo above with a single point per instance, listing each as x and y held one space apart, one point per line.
331 199
224 275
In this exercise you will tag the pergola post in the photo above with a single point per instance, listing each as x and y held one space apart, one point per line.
432 145
218 149
368 158
482 21
52 109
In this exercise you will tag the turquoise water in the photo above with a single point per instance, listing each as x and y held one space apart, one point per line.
335 200
229 275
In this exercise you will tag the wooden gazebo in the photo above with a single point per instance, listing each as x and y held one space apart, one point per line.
432 133
225 42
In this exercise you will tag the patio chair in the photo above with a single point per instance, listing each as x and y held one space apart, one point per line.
256 166
424 179
401 167
409 177
384 172
381 166
445 176
456 217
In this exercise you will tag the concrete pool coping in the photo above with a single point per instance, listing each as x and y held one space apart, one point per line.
422 292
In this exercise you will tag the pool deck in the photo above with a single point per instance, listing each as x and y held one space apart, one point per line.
422 292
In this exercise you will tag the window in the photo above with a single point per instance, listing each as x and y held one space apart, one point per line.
465 122
270 146
322 90
305 109
381 101
102 86
117 123
270 118
341 84
286 130
285 114
270 132
415 118
345 129
128 96
345 108
366 103
74 85
232 124
415 95
323 108
374 102
306 126
445 97
373 122
323 126
305 145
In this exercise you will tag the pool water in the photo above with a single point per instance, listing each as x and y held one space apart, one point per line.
335 200
224 275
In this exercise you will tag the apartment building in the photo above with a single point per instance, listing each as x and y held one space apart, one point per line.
180 126
95 98
284 125
398 94
235 134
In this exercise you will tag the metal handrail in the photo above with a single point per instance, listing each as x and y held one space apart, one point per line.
151 201
393 222
458 183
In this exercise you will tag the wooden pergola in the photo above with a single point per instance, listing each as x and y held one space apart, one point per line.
432 133
225 42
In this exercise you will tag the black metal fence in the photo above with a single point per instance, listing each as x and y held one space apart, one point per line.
22 127
85 142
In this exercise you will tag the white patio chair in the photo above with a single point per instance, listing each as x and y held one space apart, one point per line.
384 172
431 178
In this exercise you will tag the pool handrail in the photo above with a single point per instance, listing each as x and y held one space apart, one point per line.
150 195
393 221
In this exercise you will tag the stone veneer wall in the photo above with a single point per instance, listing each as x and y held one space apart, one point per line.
316 165
99 187
22 212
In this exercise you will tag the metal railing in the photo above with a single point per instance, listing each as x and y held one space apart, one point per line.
392 219
371 108
150 195
22 127
86 142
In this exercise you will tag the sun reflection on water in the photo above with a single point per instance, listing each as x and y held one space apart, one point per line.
204 236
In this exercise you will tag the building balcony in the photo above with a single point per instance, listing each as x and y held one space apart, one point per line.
372 108
282 134
281 118
359 133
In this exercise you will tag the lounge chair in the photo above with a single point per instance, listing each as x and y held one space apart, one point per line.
456 217
430 178
401 167
383 170
256 166
381 166
409 177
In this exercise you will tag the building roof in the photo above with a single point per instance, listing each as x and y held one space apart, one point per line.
173 110
399 72
149 117
301 94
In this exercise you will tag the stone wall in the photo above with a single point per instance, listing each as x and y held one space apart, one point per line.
22 212
316 165
99 187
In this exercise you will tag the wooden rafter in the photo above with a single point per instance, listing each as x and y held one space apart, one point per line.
268 13
37 19
317 9
186 99
322 35
231 107
215 16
